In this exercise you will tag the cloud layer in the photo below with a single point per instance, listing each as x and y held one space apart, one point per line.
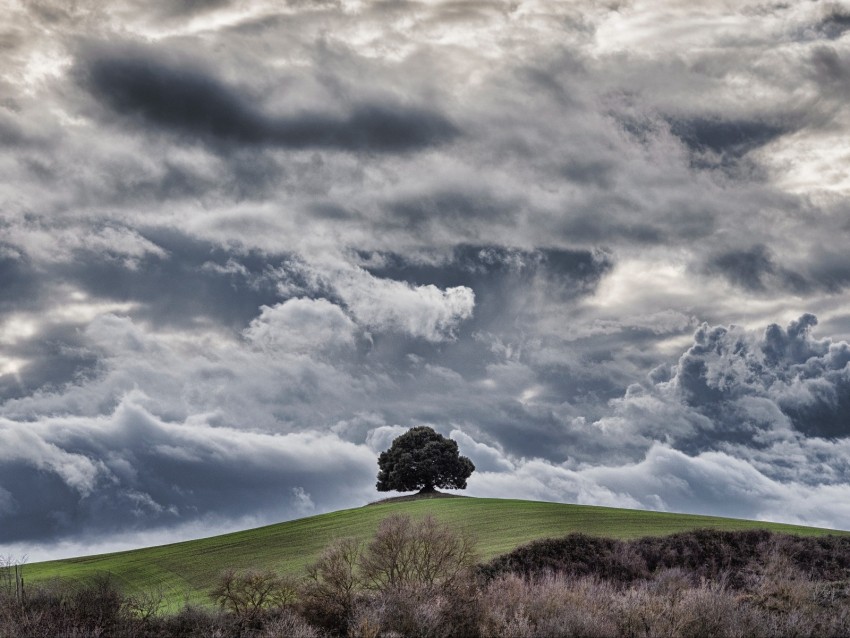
244 245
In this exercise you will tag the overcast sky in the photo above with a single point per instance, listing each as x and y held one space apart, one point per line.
244 244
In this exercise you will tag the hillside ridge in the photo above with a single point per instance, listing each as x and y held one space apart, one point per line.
185 570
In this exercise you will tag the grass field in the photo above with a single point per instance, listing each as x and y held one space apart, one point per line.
184 571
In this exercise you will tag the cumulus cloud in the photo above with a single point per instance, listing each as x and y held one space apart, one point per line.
806 378
382 304
301 326
774 400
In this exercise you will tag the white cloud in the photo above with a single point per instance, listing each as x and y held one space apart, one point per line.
302 326
713 483
425 312
485 457
20 442
381 438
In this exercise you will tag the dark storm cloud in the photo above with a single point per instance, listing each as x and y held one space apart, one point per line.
808 379
595 227
190 102
54 355
197 281
450 208
745 268
835 24
475 265
723 136
831 71
182 8
48 356
507 282
593 172
12 133
20 283
718 142
831 270
756 269
189 283
138 471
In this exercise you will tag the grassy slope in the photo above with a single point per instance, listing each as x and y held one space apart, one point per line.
185 570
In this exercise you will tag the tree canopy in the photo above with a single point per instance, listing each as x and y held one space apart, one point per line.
422 459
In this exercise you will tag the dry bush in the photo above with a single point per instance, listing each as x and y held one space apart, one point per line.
779 586
426 553
551 605
561 606
146 604
406 611
421 611
413 578
794 604
704 611
196 622
248 594
333 582
96 604
67 609
287 624
420 576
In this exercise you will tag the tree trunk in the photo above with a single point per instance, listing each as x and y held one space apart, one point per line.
428 489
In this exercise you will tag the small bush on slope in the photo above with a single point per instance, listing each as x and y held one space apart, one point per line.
411 578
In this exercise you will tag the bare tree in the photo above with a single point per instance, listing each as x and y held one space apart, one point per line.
146 604
249 593
329 594
426 553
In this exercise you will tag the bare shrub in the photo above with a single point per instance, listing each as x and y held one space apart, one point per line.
710 610
289 624
146 604
406 611
551 605
780 586
562 606
93 608
98 603
424 553
195 622
421 611
248 594
421 576
333 582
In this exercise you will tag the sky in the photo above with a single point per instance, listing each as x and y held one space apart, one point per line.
244 244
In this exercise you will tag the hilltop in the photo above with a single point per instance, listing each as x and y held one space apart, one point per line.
186 570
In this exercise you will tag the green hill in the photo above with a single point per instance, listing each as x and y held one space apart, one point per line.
186 570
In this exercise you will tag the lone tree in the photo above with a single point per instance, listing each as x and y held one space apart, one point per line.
421 459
